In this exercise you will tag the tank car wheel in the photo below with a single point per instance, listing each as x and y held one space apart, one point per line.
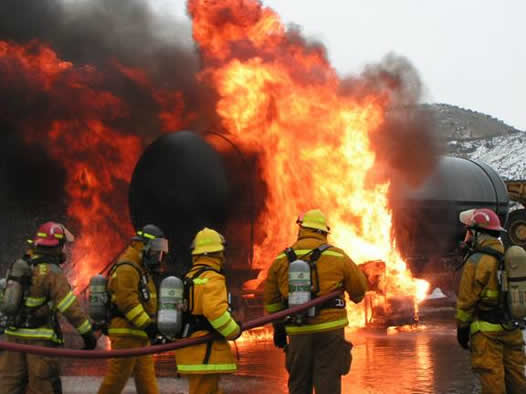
516 227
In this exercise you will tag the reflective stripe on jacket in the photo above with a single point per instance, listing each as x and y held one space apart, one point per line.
41 333
484 326
335 270
49 293
211 301
123 287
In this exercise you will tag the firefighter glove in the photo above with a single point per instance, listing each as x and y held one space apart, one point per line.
151 331
103 327
90 341
239 333
280 335
158 341
463 337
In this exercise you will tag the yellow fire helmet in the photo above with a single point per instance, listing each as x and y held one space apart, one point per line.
314 219
207 241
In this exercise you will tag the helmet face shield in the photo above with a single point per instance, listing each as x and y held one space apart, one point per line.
159 245
155 252
69 235
466 217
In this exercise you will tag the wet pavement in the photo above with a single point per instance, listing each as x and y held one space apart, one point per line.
426 360
230 385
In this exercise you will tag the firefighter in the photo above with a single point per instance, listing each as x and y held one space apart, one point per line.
46 292
207 311
317 354
133 309
497 346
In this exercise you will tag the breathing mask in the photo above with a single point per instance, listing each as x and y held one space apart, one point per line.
154 252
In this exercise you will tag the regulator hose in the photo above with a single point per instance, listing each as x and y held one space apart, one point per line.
142 351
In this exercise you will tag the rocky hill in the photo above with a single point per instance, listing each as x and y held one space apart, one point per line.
480 137
455 123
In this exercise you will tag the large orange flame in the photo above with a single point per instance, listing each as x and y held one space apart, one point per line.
284 100
98 159
277 95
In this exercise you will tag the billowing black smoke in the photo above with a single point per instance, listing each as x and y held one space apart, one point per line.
103 33
32 186
407 150
97 31
406 145
100 38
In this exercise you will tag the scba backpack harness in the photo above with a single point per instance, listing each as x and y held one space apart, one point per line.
19 309
101 308
511 275
144 292
191 322
301 278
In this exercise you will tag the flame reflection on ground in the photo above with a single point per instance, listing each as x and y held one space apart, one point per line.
425 360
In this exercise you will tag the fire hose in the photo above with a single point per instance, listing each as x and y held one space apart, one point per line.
142 351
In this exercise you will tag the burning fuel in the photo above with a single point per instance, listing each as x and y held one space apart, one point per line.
281 97
320 140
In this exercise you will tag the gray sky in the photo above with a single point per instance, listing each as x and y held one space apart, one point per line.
470 53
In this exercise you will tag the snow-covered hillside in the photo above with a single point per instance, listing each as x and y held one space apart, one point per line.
506 154
480 137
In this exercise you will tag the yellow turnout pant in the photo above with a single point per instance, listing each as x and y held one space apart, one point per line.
499 360
120 369
204 384
24 372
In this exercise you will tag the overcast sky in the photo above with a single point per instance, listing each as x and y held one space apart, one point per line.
470 53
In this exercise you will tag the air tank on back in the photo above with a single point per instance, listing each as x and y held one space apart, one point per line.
426 218
179 184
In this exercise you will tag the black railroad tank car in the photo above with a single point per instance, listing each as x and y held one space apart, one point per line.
179 183
426 220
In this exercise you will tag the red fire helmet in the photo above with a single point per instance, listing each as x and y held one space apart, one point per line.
52 234
481 218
